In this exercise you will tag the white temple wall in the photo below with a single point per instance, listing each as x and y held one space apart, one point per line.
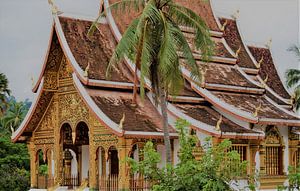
85 161
284 132
74 167
53 163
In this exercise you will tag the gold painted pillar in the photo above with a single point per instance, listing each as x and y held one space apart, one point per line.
33 165
49 159
123 152
262 156
57 161
93 167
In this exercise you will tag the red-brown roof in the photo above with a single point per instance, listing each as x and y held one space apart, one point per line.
140 117
268 69
250 103
203 8
209 116
233 38
95 50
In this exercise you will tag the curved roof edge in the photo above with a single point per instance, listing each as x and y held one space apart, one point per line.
270 90
15 135
209 129
101 116
38 82
246 116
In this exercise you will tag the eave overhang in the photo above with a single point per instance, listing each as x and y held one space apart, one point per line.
15 135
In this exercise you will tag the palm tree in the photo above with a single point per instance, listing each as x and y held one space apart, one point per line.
14 115
155 43
4 92
293 78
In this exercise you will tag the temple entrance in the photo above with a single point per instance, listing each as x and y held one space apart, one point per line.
75 145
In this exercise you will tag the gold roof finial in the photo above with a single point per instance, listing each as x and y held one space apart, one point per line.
266 79
238 52
32 81
86 71
269 43
292 99
236 14
257 109
224 25
218 125
122 121
54 8
203 72
260 62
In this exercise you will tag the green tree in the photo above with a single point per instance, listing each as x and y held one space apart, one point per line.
293 78
4 91
155 43
14 115
213 172
14 165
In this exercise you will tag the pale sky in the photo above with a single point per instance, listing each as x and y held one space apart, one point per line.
25 29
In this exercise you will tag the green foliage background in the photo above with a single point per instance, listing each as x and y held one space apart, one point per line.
14 158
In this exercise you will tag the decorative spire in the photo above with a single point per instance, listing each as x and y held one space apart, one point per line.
86 71
238 52
269 43
224 25
32 81
122 121
54 8
236 15
260 62
257 109
218 125
265 81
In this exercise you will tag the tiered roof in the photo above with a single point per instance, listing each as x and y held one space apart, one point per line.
233 81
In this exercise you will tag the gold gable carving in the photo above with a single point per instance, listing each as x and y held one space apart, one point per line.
50 81
272 135
49 120
72 109
65 70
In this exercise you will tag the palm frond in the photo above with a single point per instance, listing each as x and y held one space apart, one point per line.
292 77
186 17
120 6
296 50
169 66
125 47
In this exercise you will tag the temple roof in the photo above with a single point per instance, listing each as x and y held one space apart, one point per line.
95 50
268 70
228 87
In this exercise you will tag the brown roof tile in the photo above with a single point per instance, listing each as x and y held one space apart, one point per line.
249 103
140 117
233 38
209 116
95 50
224 74
203 8
268 68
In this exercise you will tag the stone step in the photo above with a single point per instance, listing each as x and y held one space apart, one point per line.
272 182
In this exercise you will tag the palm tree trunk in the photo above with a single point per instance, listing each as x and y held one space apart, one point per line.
135 81
164 110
